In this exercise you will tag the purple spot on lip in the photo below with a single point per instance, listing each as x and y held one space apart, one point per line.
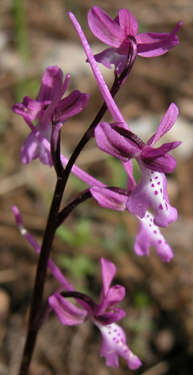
150 225
114 338
109 333
115 330
160 190
156 192
160 207
150 180
166 205
152 185
152 172
156 177
155 231
159 241
151 220
158 183
147 215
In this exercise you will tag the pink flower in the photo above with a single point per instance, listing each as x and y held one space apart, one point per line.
121 32
49 99
104 315
118 141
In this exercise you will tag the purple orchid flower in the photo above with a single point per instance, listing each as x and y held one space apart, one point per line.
118 141
49 99
104 315
121 32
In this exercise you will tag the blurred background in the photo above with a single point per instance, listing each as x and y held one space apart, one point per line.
159 298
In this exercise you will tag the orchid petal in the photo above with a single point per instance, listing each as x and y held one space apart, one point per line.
113 296
67 313
110 141
111 56
162 164
127 23
129 169
51 84
108 271
104 28
111 316
72 104
150 235
54 103
156 44
28 108
114 344
150 152
32 148
157 159
166 124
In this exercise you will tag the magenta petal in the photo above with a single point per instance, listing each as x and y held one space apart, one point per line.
158 159
72 104
111 316
149 152
29 108
150 235
162 164
33 149
156 44
113 296
110 141
111 56
108 270
152 192
51 84
127 22
114 344
108 198
104 28
67 313
166 124
129 169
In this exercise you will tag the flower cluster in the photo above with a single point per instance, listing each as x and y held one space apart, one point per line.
50 111
117 140
121 33
49 100
104 315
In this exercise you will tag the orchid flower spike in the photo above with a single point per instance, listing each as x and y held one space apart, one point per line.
121 32
48 100
118 141
104 315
